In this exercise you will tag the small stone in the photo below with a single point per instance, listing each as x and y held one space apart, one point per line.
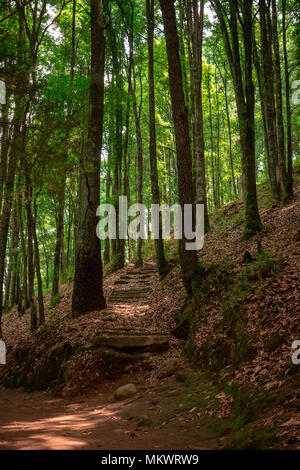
126 391
167 368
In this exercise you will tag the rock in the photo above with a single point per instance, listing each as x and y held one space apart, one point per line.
167 368
126 391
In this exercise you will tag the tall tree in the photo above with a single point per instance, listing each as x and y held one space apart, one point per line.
188 259
287 100
88 289
286 186
197 41
244 93
267 99
159 244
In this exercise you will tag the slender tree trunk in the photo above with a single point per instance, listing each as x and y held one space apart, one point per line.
188 258
217 162
287 190
159 244
8 275
88 288
30 230
106 256
287 101
15 151
200 180
229 133
5 135
14 260
244 93
136 112
139 259
24 255
212 157
268 99
59 242
38 270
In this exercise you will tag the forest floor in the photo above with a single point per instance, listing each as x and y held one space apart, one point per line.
228 380
94 421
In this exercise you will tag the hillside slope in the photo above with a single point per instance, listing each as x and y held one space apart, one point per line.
237 332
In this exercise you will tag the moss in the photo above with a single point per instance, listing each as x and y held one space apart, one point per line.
251 438
38 371
114 265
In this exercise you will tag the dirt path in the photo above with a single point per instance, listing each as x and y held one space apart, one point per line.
36 421
94 421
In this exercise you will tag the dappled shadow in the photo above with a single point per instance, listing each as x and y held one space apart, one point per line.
59 425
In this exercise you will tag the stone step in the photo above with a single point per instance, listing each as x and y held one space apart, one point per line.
139 290
126 300
131 341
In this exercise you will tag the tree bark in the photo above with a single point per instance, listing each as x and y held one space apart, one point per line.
244 93
268 99
59 242
88 287
287 101
38 270
200 180
106 256
159 244
188 259
287 190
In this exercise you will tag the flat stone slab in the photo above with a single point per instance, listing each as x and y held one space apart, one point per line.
123 341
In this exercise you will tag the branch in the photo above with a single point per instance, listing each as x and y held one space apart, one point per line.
15 11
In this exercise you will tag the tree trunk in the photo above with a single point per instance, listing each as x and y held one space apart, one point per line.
212 157
229 133
287 101
59 242
38 271
287 190
136 112
200 180
159 244
188 259
19 117
106 256
4 149
88 288
24 256
244 93
268 98
30 230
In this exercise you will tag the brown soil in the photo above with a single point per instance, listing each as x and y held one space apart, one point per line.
155 418
36 421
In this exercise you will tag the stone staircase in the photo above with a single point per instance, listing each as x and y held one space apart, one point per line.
130 298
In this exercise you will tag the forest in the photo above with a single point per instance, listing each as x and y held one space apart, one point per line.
167 104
